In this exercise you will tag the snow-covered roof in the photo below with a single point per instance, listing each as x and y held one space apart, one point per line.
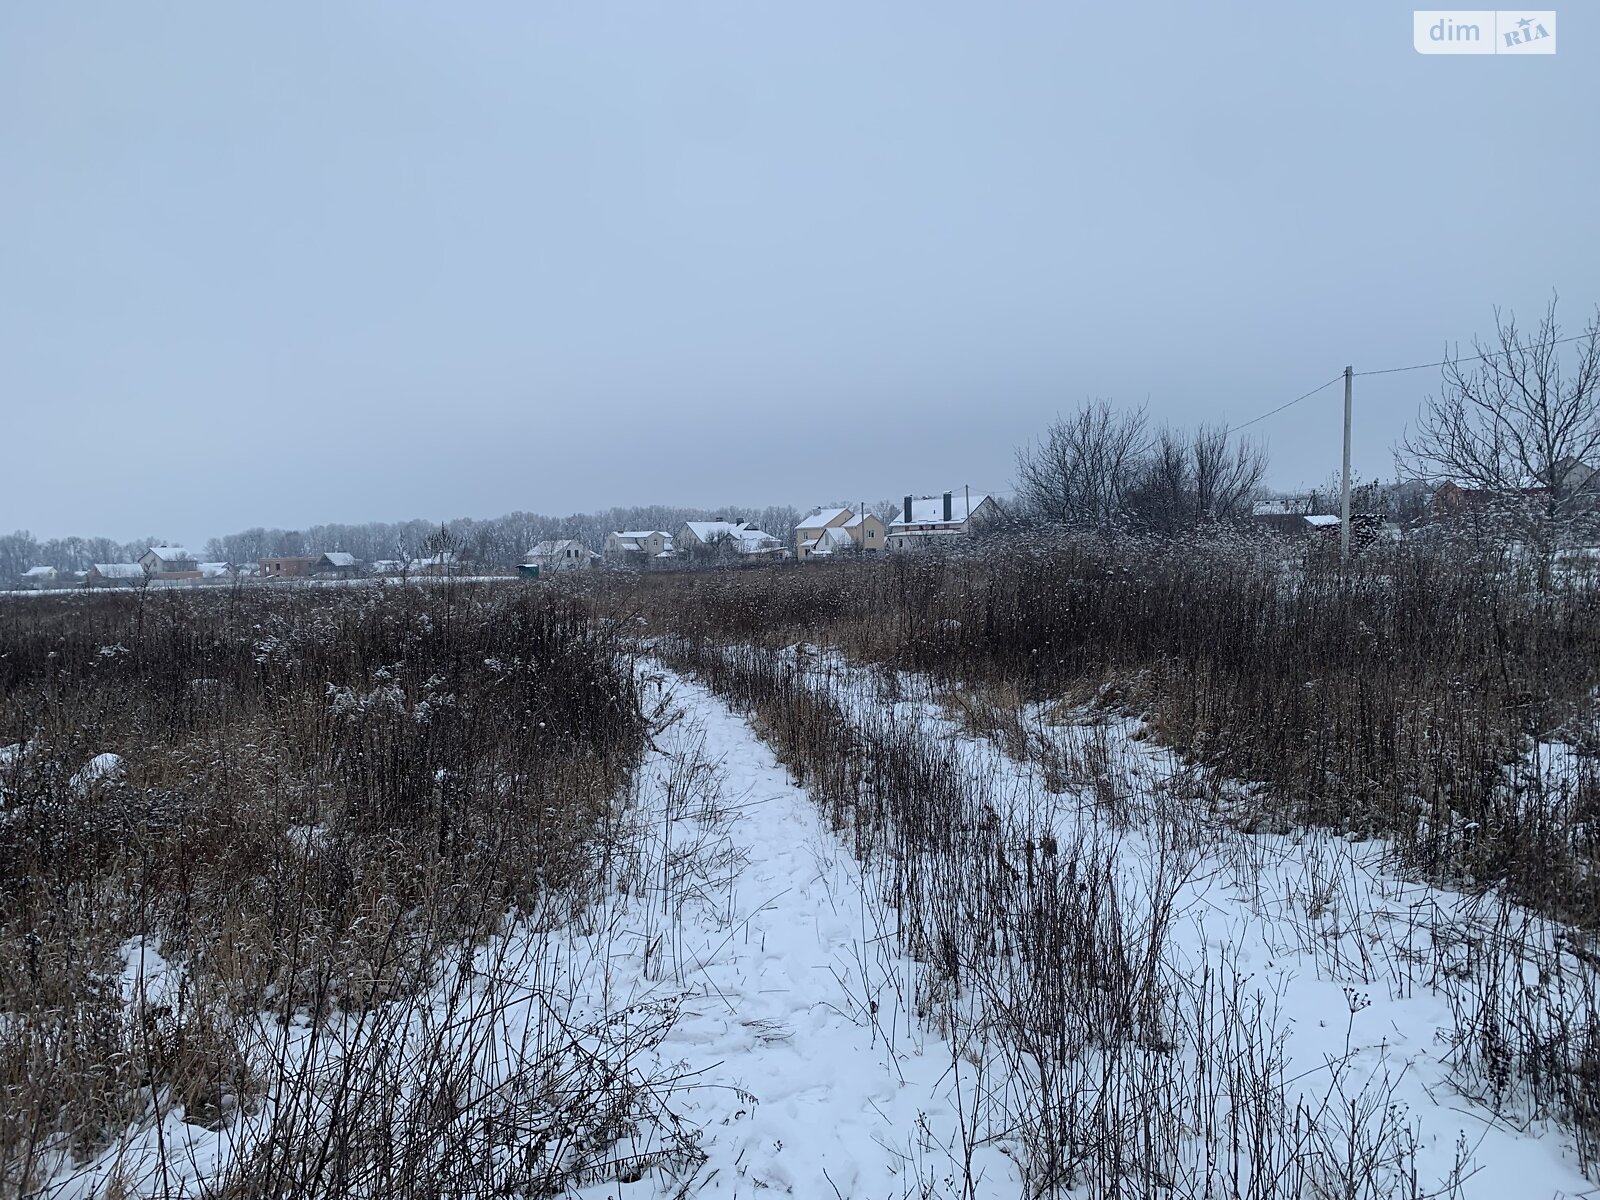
1280 506
551 549
170 553
119 570
748 538
930 509
38 572
751 540
213 569
710 530
1322 520
665 554
831 539
339 558
636 534
826 517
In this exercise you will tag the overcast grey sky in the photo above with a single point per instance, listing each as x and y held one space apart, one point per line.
279 264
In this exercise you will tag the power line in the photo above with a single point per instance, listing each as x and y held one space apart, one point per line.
1281 407
1394 370
1578 337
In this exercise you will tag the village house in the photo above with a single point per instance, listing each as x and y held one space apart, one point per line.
40 576
216 570
637 547
286 566
446 562
115 575
169 562
833 531
336 564
699 539
568 554
1568 483
933 520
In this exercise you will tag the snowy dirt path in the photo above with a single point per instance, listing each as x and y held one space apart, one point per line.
792 1001
794 1050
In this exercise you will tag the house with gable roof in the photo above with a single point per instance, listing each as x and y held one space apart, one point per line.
831 531
567 554
704 539
637 547
337 564
169 562
934 520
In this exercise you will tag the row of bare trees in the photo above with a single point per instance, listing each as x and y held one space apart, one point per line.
1106 468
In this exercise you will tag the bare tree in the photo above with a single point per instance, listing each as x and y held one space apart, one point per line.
1517 425
1083 467
1225 476
1191 479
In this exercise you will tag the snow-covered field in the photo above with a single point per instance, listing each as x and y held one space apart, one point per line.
783 1042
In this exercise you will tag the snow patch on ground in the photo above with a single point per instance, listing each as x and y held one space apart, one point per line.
1355 966
99 769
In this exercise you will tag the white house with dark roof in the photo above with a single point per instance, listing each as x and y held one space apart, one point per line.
931 520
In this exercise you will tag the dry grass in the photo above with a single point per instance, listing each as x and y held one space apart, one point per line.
1390 699
1401 699
320 794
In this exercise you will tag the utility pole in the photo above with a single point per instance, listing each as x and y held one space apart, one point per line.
1344 483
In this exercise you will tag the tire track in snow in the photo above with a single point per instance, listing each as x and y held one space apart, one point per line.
799 1090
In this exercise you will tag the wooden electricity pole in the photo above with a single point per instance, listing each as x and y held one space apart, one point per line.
1344 483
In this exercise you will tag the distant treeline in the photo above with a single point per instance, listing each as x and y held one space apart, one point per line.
21 550
492 542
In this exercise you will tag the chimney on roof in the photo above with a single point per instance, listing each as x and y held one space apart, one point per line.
908 510
947 506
